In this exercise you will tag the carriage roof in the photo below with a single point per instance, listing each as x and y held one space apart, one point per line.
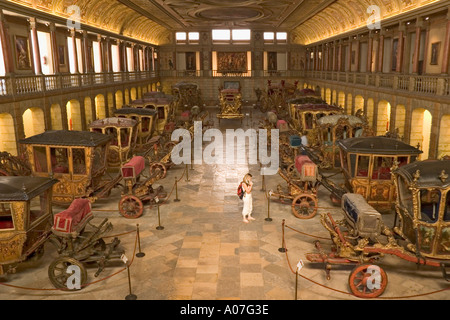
316 107
68 138
137 111
113 122
432 173
334 119
14 188
377 145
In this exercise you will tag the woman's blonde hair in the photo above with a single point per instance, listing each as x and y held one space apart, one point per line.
248 175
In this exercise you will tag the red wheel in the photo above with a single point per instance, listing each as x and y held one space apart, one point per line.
131 207
304 206
158 169
367 281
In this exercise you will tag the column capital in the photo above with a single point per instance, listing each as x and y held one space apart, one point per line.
33 23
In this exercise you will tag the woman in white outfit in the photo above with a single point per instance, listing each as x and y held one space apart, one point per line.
247 185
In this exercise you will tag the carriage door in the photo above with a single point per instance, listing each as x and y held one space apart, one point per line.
80 178
443 240
59 159
381 186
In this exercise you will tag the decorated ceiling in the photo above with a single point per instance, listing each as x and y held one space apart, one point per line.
154 21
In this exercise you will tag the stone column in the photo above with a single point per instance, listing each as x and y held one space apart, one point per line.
401 47
349 58
54 48
419 25
357 54
369 53
101 53
6 45
73 34
339 62
445 56
381 51
35 44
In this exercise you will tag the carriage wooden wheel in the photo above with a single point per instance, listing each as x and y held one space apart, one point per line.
58 273
131 207
367 281
304 206
158 169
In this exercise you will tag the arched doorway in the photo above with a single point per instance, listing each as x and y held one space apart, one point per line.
33 122
56 117
133 94
74 115
100 108
119 99
400 119
369 111
127 97
359 103
341 100
7 134
349 105
328 96
421 131
110 104
444 137
334 97
88 110
383 117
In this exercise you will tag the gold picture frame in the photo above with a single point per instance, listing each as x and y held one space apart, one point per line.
22 51
435 48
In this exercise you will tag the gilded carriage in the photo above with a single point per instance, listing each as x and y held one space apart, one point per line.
123 132
78 159
230 104
303 183
366 164
329 130
420 233
304 116
276 97
163 105
186 95
136 192
27 223
146 128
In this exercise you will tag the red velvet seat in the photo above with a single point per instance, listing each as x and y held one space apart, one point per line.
74 217
134 167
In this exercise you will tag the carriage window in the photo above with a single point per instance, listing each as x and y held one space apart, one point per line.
405 195
402 161
79 161
344 160
151 107
40 159
161 113
327 137
382 168
145 125
99 158
309 120
112 133
429 205
319 115
97 130
6 219
341 133
363 166
125 137
447 208
38 207
60 160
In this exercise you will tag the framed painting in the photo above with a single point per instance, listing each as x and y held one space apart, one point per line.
435 47
272 61
191 61
232 62
394 55
22 49
62 55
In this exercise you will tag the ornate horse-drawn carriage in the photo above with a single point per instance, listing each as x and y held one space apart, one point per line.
146 119
329 130
421 235
186 95
123 134
302 180
78 159
304 116
230 104
27 223
366 163
276 97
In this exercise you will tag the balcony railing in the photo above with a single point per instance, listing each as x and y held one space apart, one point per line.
231 73
428 84
23 85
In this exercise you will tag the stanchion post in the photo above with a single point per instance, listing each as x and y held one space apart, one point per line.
140 254
159 227
296 283
176 191
131 296
268 207
187 173
283 247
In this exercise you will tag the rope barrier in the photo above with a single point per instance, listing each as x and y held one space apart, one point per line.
349 293
87 284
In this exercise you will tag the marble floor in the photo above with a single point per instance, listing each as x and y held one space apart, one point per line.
206 252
